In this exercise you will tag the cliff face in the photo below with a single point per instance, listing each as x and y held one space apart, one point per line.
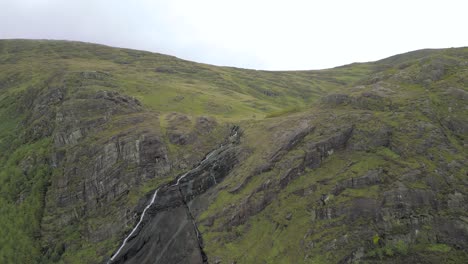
169 233
94 177
361 163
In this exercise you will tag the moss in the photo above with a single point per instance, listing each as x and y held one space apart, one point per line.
375 239
400 248
370 192
417 185
387 153
443 248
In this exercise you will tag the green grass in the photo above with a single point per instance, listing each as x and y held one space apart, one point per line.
22 193
443 248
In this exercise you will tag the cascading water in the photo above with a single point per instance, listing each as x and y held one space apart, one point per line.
234 134
153 199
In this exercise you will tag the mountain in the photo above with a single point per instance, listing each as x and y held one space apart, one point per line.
194 163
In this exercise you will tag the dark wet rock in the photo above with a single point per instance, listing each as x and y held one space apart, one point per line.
208 174
170 233
168 237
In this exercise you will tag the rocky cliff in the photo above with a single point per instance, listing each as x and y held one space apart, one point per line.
169 233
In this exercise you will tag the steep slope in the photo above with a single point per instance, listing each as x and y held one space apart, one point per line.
364 162
376 173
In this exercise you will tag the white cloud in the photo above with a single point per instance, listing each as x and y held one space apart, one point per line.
258 34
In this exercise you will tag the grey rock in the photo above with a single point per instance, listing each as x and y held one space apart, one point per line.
316 152
291 139
371 178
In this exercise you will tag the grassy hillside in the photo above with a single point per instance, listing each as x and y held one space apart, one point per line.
164 83
64 106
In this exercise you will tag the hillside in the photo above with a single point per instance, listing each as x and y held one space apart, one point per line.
365 162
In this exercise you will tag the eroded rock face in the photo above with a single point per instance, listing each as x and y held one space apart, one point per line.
110 171
92 176
79 117
314 154
105 147
372 177
169 233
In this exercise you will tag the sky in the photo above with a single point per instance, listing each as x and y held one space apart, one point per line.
255 34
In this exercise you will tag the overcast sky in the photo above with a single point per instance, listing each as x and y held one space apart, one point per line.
257 34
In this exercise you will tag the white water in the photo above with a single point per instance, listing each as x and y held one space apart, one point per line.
153 199
181 177
137 225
